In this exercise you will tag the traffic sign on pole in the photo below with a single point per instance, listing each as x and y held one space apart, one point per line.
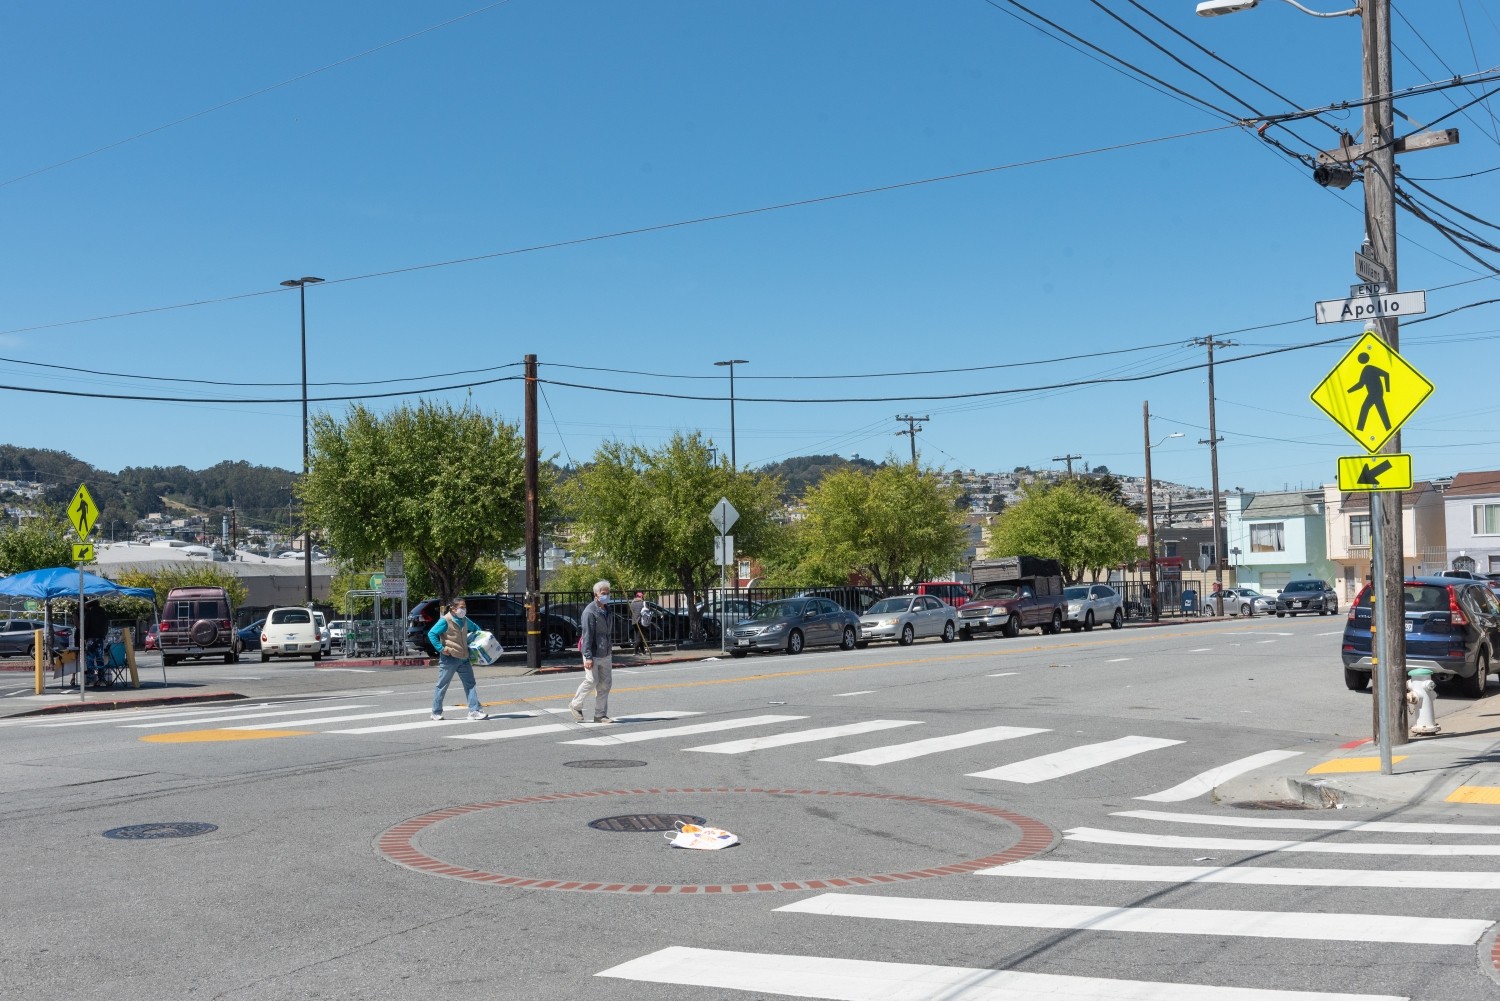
1368 473
1371 392
82 511
83 552
724 515
1368 307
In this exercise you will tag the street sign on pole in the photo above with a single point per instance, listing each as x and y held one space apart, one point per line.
83 552
1369 269
1386 471
724 515
1370 307
82 512
724 551
1371 392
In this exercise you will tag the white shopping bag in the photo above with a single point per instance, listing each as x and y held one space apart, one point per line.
703 838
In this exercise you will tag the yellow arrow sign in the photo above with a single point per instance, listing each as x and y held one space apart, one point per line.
1374 472
1371 392
83 552
82 512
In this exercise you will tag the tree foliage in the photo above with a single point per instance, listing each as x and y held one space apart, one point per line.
37 543
1070 522
894 525
445 486
646 512
162 579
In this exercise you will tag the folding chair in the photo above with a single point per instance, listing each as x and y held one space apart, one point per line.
115 665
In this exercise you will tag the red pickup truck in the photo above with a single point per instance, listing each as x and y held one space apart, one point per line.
1012 593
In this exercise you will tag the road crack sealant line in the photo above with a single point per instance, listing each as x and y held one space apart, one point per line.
396 844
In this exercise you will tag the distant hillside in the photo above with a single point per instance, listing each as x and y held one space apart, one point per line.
806 471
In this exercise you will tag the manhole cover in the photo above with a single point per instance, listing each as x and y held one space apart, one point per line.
645 822
1271 804
604 763
147 832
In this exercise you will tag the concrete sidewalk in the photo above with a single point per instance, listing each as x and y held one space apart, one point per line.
1458 767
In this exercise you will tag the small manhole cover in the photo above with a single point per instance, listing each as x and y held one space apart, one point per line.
604 763
1271 804
631 822
148 832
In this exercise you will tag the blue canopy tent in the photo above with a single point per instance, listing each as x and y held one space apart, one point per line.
63 582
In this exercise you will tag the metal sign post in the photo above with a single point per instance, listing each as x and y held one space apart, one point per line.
83 514
723 516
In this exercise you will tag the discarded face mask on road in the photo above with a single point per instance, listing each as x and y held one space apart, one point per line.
703 838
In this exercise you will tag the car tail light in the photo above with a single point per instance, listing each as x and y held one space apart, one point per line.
1455 614
1354 605
166 627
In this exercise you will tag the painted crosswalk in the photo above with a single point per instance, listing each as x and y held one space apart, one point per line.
1073 760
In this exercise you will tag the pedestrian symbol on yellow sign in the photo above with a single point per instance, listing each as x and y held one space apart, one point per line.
1371 392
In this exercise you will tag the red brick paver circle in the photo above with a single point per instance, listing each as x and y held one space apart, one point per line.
396 845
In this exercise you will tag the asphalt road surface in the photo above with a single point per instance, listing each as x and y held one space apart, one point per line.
997 819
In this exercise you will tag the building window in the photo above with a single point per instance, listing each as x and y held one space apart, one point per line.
1268 538
1487 519
1359 530
1169 549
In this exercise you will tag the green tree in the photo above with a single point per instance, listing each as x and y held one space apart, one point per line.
37 543
895 525
162 579
445 486
645 513
1069 522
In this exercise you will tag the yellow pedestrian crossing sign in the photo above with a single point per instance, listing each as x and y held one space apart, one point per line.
1371 392
1365 473
83 552
82 512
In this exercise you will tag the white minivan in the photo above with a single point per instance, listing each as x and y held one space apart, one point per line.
290 632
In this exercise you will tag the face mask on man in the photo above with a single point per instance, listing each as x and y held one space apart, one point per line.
603 599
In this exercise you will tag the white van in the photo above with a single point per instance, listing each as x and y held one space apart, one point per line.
290 632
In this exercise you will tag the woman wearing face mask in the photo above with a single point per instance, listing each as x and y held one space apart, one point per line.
597 646
450 637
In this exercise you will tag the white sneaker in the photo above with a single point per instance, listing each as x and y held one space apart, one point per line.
478 716
437 717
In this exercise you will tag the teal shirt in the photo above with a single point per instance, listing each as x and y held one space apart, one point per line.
435 634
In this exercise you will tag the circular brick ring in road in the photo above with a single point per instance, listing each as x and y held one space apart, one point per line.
396 844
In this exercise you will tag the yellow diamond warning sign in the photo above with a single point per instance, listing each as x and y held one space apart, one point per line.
1371 392
82 512
1387 471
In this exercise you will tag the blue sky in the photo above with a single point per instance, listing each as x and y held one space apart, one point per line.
1110 215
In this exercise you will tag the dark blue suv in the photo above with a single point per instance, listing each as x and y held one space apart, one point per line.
1451 627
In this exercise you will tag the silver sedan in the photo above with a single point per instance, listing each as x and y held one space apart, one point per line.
907 617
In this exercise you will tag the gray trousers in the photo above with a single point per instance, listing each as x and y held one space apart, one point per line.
596 679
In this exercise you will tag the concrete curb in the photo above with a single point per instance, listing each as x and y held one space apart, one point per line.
104 705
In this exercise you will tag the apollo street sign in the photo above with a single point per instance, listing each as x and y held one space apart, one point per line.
83 552
82 511
1365 473
724 515
1370 307
1371 392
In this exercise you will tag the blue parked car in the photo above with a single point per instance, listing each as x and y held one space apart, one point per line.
1452 627
250 635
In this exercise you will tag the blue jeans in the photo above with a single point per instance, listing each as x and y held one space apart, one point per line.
447 668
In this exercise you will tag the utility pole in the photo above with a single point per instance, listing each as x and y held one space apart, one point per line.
533 554
1213 452
1154 611
913 425
1069 460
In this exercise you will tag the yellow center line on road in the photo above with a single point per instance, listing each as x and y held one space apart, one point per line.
204 736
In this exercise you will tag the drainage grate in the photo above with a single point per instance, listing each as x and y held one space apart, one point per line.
149 832
632 822
1271 804
604 763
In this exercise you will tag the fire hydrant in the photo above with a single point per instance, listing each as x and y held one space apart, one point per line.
1422 693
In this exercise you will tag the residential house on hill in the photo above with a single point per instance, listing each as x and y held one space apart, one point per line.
1276 537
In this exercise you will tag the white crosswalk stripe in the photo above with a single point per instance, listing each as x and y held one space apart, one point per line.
802 736
933 745
1075 759
871 980
1103 837
1205 782
1404 879
1300 824
689 730
242 716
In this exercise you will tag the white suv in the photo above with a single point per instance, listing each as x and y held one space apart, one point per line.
290 632
325 635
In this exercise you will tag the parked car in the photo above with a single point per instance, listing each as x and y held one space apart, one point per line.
1011 593
734 608
503 616
325 637
1308 596
1090 604
18 637
953 592
150 642
793 624
250 635
849 596
338 631
906 618
290 632
666 625
1451 628
1239 601
197 622
1460 574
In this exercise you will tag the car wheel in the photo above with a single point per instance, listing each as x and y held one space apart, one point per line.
317 657
169 661
1356 681
1279 613
556 643
1075 626
794 642
231 657
908 635
948 632
1333 609
265 658
966 634
1012 627
1056 623
848 641
31 651
737 654
1088 622
1118 622
1244 609
1474 687
863 644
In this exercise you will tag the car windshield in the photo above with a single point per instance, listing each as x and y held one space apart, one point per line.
779 610
996 591
887 605
1303 585
1075 593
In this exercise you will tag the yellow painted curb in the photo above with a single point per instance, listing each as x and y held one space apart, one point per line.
1475 794
204 736
1351 765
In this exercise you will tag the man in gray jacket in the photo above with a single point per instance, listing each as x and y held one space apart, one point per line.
597 645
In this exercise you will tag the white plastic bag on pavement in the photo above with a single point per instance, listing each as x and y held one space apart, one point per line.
703 838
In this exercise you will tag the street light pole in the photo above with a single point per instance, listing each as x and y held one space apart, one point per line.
300 284
731 363
1151 508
